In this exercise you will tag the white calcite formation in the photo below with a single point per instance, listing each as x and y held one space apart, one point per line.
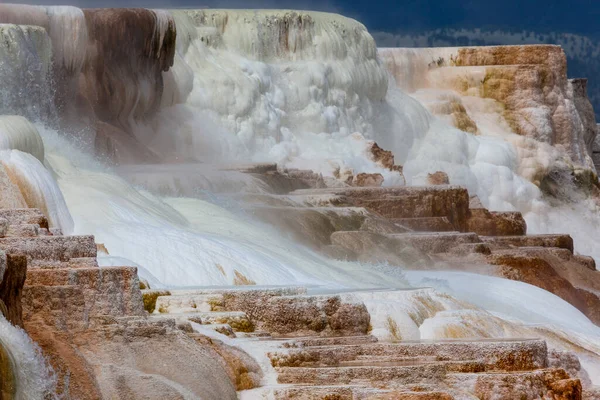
526 86
178 98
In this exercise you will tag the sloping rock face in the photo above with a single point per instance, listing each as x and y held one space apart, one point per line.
11 287
529 82
120 79
96 77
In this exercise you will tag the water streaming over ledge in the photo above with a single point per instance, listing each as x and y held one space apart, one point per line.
305 90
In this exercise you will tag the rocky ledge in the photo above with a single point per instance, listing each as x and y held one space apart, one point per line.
105 336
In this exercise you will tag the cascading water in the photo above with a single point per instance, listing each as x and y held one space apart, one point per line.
305 90
32 378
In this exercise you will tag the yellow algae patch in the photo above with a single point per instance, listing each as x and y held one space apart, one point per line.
220 268
150 299
392 327
102 248
241 280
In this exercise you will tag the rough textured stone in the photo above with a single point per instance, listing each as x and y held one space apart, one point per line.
539 272
517 355
58 248
570 363
550 383
291 315
549 240
398 202
588 261
237 320
431 224
413 374
384 158
11 287
25 216
367 180
438 178
484 222
435 242
107 291
298 315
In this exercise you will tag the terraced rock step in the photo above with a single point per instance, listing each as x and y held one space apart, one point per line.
83 262
93 291
403 374
396 202
491 223
438 242
312 225
519 385
25 230
218 299
62 307
400 248
295 315
91 277
426 224
329 341
324 368
549 240
57 248
351 392
237 320
25 216
245 290
496 355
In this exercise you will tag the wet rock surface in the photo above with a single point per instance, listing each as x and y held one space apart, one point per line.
91 324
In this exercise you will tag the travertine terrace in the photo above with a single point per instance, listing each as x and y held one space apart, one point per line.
85 318
529 83
319 345
340 238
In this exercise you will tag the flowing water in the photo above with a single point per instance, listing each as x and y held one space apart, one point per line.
237 94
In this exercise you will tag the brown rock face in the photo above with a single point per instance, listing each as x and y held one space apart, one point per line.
410 202
484 222
366 180
539 272
116 71
300 315
11 287
105 80
385 158
438 178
